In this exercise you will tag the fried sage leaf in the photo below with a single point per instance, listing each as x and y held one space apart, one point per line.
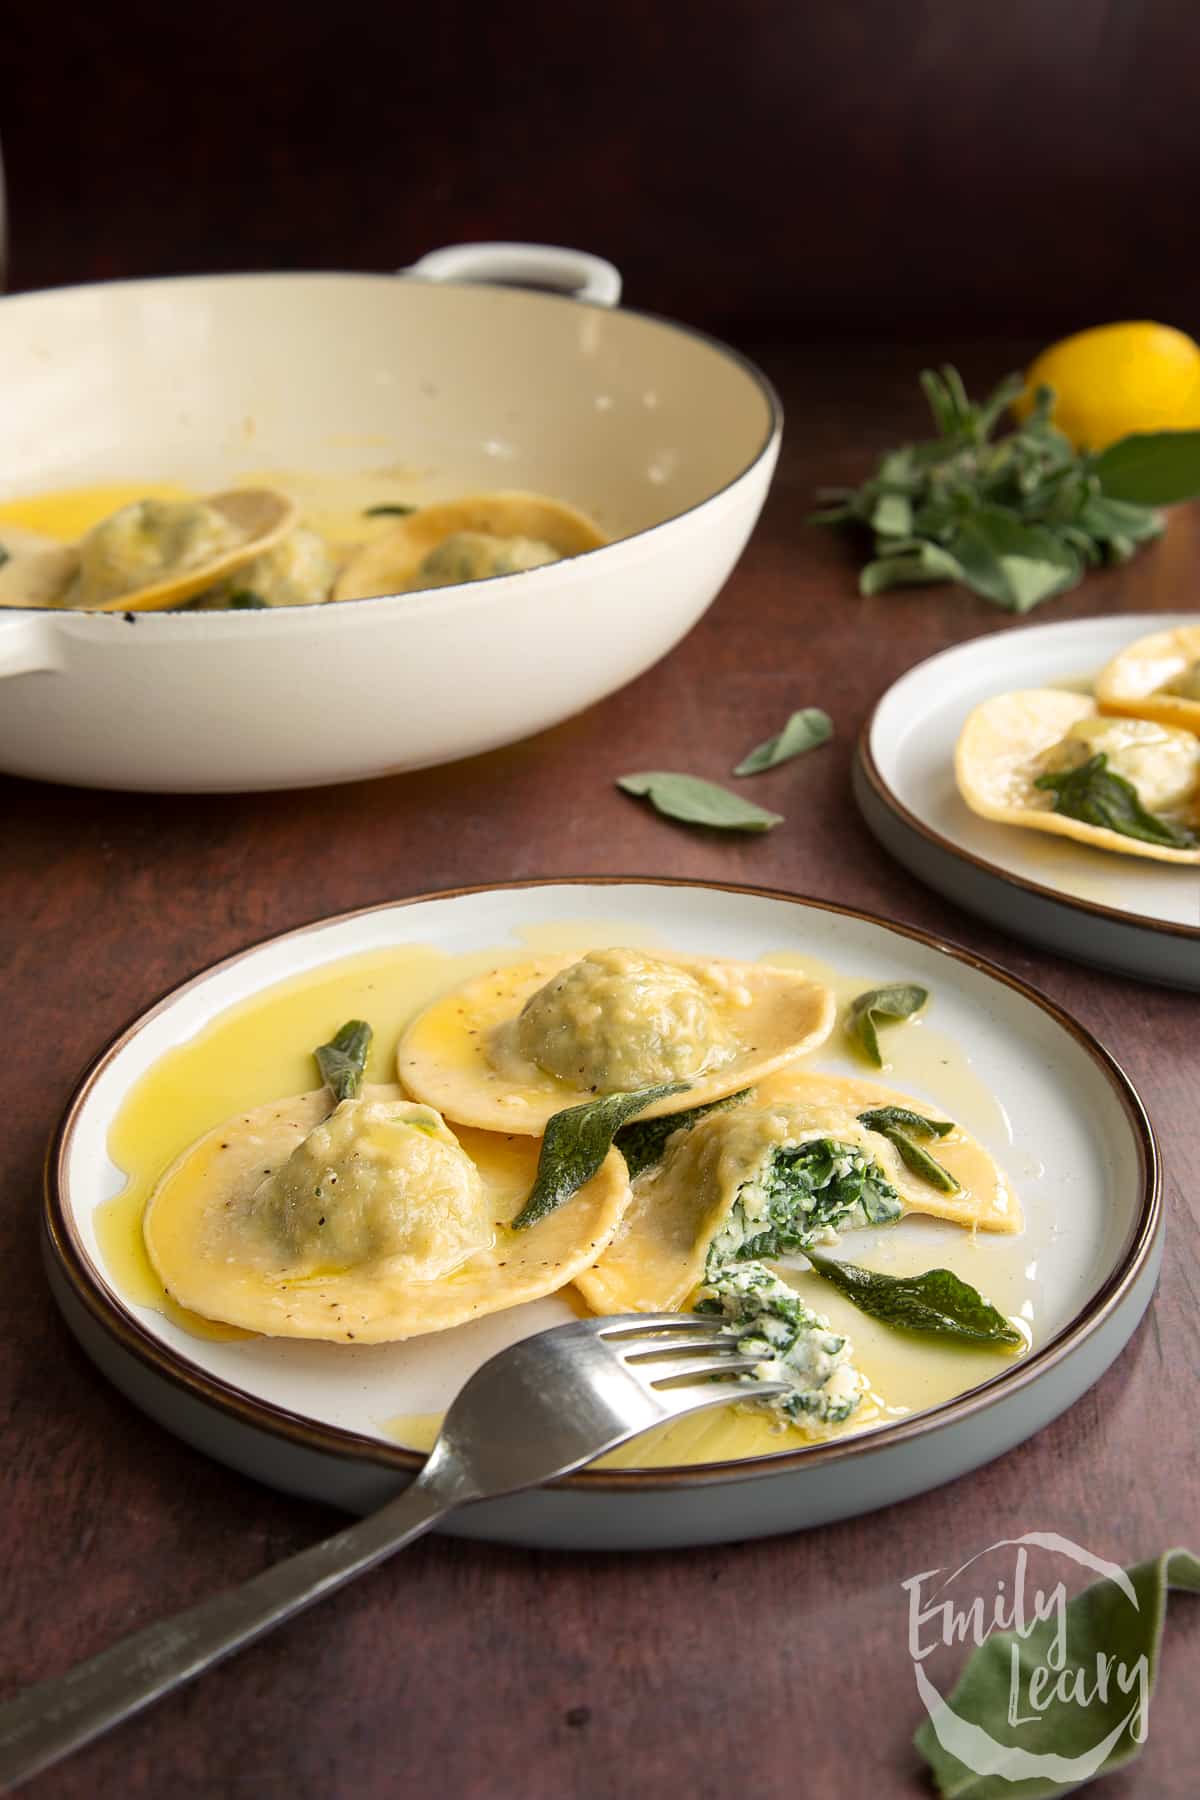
5 556
803 731
868 1011
901 1127
246 600
343 1060
697 802
642 1142
392 510
577 1141
938 1302
1095 795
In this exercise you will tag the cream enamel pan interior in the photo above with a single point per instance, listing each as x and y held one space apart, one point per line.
665 437
315 1419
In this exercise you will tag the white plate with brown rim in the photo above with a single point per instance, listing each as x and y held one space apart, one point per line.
1127 914
346 1424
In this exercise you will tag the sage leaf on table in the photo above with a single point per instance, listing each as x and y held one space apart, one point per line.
1016 518
1094 794
642 1142
576 1142
902 1127
391 510
1057 1745
805 730
868 1011
697 802
1151 468
938 1302
343 1060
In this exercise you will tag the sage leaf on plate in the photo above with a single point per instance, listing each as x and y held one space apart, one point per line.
391 510
642 1142
343 1060
1150 468
245 600
938 1302
697 802
803 731
577 1141
5 556
868 1011
1095 795
902 1127
1107 1626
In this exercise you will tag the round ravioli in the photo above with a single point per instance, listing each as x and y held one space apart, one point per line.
796 1161
465 540
1158 677
508 1050
368 1223
1009 742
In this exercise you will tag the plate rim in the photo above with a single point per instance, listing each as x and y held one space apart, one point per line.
62 1243
889 798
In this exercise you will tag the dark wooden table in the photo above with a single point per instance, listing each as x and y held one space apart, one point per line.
776 1667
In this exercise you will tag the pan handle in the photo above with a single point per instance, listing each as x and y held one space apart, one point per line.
574 272
27 645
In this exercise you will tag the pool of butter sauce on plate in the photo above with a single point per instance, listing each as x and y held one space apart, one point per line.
261 1050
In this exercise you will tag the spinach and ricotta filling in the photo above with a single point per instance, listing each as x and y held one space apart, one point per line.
799 1195
796 1345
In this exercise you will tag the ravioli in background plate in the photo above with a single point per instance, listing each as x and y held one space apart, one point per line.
686 1204
508 1050
1157 677
366 1222
1009 741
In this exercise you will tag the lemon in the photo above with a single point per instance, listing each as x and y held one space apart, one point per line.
1114 379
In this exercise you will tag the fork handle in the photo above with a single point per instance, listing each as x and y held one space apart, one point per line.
48 1721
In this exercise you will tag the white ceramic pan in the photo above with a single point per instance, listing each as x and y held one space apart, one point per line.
667 438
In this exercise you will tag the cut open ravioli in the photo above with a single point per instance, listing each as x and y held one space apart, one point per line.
1009 742
365 1223
508 1050
1157 677
792 1164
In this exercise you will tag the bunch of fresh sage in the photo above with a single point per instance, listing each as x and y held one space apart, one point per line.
1015 518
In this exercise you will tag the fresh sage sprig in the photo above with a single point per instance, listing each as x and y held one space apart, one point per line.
938 1302
902 1127
642 1142
343 1060
577 1141
868 1011
1107 1627
697 802
1096 795
1015 518
391 510
805 730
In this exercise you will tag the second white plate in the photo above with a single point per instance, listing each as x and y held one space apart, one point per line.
1124 913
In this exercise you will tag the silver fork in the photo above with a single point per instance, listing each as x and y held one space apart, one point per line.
538 1410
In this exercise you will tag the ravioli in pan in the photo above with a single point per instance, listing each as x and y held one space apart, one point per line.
364 1218
508 1050
1157 677
1049 760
